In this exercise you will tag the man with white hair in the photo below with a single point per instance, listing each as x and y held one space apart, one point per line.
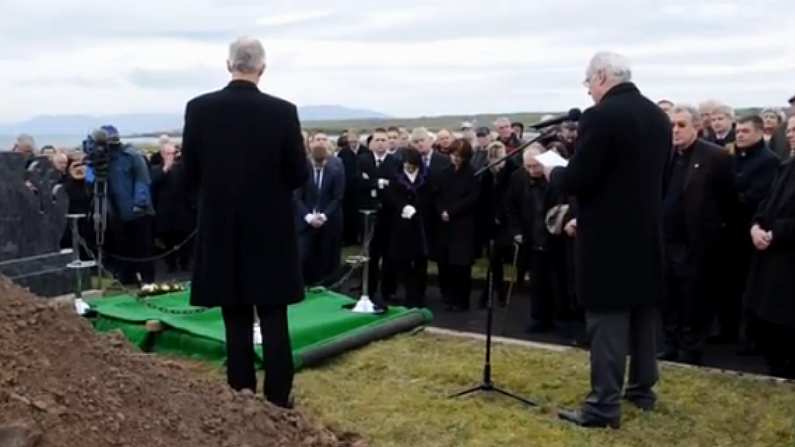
616 175
243 151
506 135
722 120
25 145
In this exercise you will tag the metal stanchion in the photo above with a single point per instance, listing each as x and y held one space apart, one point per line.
77 264
365 305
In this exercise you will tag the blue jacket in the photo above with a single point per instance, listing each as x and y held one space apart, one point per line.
129 184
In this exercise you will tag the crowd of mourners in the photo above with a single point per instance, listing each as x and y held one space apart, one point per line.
451 197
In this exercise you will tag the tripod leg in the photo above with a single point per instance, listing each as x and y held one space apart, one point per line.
467 392
515 397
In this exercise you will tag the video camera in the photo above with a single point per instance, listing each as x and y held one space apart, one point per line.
98 146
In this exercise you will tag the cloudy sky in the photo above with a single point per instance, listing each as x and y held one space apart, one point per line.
406 58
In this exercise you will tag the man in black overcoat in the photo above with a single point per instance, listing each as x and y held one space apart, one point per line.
616 174
699 203
378 169
755 168
350 207
244 154
771 285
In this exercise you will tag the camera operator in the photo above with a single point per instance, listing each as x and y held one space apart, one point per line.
130 207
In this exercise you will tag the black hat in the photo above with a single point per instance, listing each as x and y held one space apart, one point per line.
483 131
569 125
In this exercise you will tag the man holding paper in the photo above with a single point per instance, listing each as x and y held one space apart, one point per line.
616 175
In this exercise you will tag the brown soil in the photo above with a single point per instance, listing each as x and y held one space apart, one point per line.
62 384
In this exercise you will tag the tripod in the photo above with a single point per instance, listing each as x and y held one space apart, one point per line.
100 221
487 385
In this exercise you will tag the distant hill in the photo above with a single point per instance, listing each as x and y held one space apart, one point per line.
332 112
153 123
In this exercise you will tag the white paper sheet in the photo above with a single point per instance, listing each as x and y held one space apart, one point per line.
551 159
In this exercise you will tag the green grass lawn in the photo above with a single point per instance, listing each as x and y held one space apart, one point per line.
394 394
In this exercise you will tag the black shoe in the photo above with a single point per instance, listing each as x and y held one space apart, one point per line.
722 339
692 358
748 349
285 405
670 355
583 420
539 327
644 406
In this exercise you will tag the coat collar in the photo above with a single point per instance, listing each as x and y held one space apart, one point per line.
621 89
243 85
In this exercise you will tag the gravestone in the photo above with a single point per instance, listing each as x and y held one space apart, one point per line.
33 208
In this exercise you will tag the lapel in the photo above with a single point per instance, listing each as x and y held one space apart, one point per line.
783 189
696 164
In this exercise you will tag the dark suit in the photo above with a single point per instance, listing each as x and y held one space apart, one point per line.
616 175
321 248
771 284
350 208
371 196
244 154
699 202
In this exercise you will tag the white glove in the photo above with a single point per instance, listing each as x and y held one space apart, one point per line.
383 183
365 176
309 218
408 212
323 217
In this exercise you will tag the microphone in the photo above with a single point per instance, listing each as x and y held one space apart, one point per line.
573 115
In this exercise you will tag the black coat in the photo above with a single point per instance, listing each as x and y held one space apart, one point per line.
457 194
616 175
491 216
709 199
528 201
771 284
439 162
174 207
244 154
408 240
755 169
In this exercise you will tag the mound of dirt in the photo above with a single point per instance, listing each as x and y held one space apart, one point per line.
62 384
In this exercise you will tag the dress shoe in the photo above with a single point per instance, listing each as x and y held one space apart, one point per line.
285 405
583 420
644 406
539 327
670 355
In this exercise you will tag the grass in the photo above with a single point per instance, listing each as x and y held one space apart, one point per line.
394 394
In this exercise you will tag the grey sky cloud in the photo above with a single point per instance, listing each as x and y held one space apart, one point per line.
411 58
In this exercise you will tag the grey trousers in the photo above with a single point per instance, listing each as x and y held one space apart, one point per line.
613 337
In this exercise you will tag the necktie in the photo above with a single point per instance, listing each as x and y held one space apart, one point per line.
377 163
317 178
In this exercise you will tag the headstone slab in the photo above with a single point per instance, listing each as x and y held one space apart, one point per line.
32 223
34 207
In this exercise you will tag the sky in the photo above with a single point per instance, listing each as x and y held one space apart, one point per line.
408 58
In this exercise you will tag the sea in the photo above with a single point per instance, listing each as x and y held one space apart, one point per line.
67 141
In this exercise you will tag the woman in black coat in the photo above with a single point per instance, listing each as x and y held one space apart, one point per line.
771 284
408 203
493 220
176 216
456 202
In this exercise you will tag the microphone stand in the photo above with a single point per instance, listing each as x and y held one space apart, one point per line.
487 384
